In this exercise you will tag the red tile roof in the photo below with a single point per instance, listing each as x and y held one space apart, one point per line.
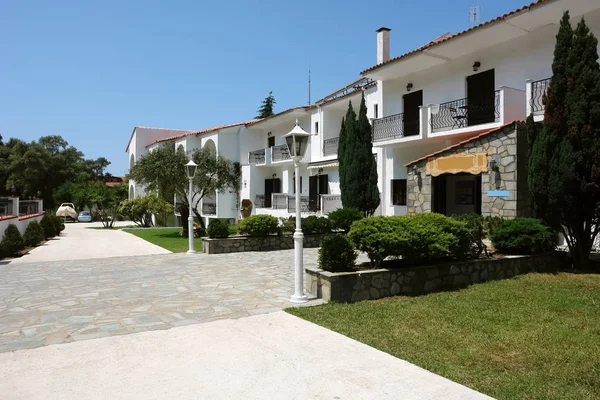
448 36
477 134
204 131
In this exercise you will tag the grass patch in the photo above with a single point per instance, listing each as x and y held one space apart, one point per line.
170 239
536 336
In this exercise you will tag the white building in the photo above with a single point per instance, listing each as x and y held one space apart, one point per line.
449 90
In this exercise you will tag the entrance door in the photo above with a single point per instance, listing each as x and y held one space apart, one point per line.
271 186
313 193
481 98
439 194
412 102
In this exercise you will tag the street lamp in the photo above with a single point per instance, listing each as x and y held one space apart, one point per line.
297 141
190 170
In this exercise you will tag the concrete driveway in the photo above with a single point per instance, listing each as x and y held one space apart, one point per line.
77 242
271 356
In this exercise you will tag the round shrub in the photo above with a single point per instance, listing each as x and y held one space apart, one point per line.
313 225
48 226
259 225
288 225
12 242
217 228
336 254
34 234
475 224
415 237
59 225
523 236
343 218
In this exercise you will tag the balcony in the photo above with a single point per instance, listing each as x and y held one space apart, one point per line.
394 127
330 146
536 91
259 201
462 113
257 157
305 206
280 153
330 202
279 201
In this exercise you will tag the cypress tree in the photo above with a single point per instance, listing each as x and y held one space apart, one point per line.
340 154
266 107
345 155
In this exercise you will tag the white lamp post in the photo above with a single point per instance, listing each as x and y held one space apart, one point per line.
190 170
297 142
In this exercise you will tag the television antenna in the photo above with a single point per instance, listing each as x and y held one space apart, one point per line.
474 14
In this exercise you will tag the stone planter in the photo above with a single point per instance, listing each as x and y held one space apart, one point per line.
237 244
350 287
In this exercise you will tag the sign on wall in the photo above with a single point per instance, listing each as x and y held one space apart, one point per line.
474 163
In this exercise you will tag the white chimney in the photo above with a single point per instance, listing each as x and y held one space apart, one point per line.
383 45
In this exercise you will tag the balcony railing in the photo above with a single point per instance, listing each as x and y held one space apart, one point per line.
256 157
330 202
538 90
280 153
280 201
304 204
461 113
394 127
209 208
259 201
28 207
6 207
330 146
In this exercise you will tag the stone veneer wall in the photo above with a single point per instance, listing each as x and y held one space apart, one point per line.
377 283
239 244
500 146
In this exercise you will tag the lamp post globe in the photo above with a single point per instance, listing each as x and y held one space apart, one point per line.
297 142
190 170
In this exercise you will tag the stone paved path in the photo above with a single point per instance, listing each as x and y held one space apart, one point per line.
65 301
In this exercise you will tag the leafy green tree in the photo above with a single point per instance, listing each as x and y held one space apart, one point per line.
141 209
564 176
162 171
358 167
266 106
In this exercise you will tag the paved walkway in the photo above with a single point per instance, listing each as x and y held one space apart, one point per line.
65 301
273 356
77 242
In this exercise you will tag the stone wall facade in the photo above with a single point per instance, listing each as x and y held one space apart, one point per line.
378 283
239 244
508 148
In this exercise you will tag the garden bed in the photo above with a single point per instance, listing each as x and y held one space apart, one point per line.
237 244
416 280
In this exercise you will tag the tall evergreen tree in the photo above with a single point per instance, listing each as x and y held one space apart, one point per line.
358 167
564 177
266 107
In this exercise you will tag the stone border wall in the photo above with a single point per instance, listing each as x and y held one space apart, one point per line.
350 287
238 244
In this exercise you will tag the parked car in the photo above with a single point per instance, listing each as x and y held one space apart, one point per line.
84 216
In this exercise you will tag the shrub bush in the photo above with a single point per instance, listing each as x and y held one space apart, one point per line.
218 228
523 236
336 254
59 225
313 225
490 224
34 234
415 237
259 225
477 233
12 242
48 226
343 218
288 225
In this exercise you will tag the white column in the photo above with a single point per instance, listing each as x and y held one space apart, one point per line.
298 296
190 222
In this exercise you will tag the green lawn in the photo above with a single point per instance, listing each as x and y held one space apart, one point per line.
536 336
169 238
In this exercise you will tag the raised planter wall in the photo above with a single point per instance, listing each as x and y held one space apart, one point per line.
374 284
238 244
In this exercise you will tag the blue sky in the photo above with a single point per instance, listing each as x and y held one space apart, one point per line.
91 71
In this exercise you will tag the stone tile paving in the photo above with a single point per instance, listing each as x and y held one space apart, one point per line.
65 301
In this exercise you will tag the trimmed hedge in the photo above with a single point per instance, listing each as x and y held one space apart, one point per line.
12 241
523 236
48 226
218 229
313 225
34 234
259 225
475 224
414 237
336 254
343 218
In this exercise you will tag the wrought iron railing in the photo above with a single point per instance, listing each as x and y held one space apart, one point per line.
390 127
538 90
280 153
29 207
6 207
330 202
259 201
209 208
330 146
461 113
304 204
256 157
280 201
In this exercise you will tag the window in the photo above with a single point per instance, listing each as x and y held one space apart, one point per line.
295 185
464 193
271 141
399 192
376 110
316 127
